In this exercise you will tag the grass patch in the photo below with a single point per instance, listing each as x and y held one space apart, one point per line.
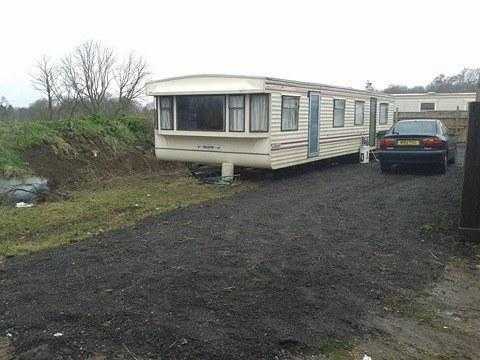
417 309
19 136
442 224
98 208
336 349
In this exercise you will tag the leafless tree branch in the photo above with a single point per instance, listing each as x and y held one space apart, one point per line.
45 80
130 77
88 73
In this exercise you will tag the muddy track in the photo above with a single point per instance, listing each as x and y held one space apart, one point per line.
302 259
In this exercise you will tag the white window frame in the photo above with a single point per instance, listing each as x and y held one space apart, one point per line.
236 108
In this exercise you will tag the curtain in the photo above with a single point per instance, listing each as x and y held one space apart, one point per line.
236 105
166 113
258 113
338 112
290 113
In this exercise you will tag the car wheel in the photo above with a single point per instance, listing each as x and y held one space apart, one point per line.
442 169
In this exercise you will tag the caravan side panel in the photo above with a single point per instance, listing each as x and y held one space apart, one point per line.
288 147
391 112
337 141
291 147
240 151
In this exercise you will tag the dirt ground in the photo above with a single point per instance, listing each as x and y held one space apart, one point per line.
320 262
86 165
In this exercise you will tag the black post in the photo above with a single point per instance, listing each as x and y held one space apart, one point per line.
470 221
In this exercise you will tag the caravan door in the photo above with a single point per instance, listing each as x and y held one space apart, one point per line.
373 122
313 124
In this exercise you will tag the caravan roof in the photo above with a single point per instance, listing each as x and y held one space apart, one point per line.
216 83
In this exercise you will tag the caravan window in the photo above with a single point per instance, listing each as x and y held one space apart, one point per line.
427 106
236 112
259 113
338 112
359 112
165 106
290 106
383 115
201 112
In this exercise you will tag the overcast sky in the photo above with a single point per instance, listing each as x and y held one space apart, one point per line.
335 42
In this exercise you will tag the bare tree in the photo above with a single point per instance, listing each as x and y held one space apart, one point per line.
90 80
130 77
88 73
45 79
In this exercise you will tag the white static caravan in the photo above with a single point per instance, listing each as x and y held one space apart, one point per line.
432 101
263 122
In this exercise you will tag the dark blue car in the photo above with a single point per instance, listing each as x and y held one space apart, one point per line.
420 141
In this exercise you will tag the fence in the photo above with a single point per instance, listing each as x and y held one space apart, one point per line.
470 221
455 121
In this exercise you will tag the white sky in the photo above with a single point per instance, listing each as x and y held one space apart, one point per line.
336 42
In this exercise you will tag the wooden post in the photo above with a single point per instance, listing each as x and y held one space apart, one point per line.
470 221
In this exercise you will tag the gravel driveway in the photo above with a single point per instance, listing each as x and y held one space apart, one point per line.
303 259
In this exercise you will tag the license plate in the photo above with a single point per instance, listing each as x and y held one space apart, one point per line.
408 142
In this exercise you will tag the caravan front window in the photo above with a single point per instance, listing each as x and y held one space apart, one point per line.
201 112
166 112
259 113
236 112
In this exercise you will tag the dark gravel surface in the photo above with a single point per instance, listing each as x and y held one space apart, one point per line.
304 258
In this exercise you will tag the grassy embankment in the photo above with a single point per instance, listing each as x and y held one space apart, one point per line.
66 138
98 203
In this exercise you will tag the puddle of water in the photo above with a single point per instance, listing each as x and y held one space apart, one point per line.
23 189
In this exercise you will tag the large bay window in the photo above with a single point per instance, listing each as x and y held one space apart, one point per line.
259 113
210 112
236 112
290 105
383 114
165 109
201 112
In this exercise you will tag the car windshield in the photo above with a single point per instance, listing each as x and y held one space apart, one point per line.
415 128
